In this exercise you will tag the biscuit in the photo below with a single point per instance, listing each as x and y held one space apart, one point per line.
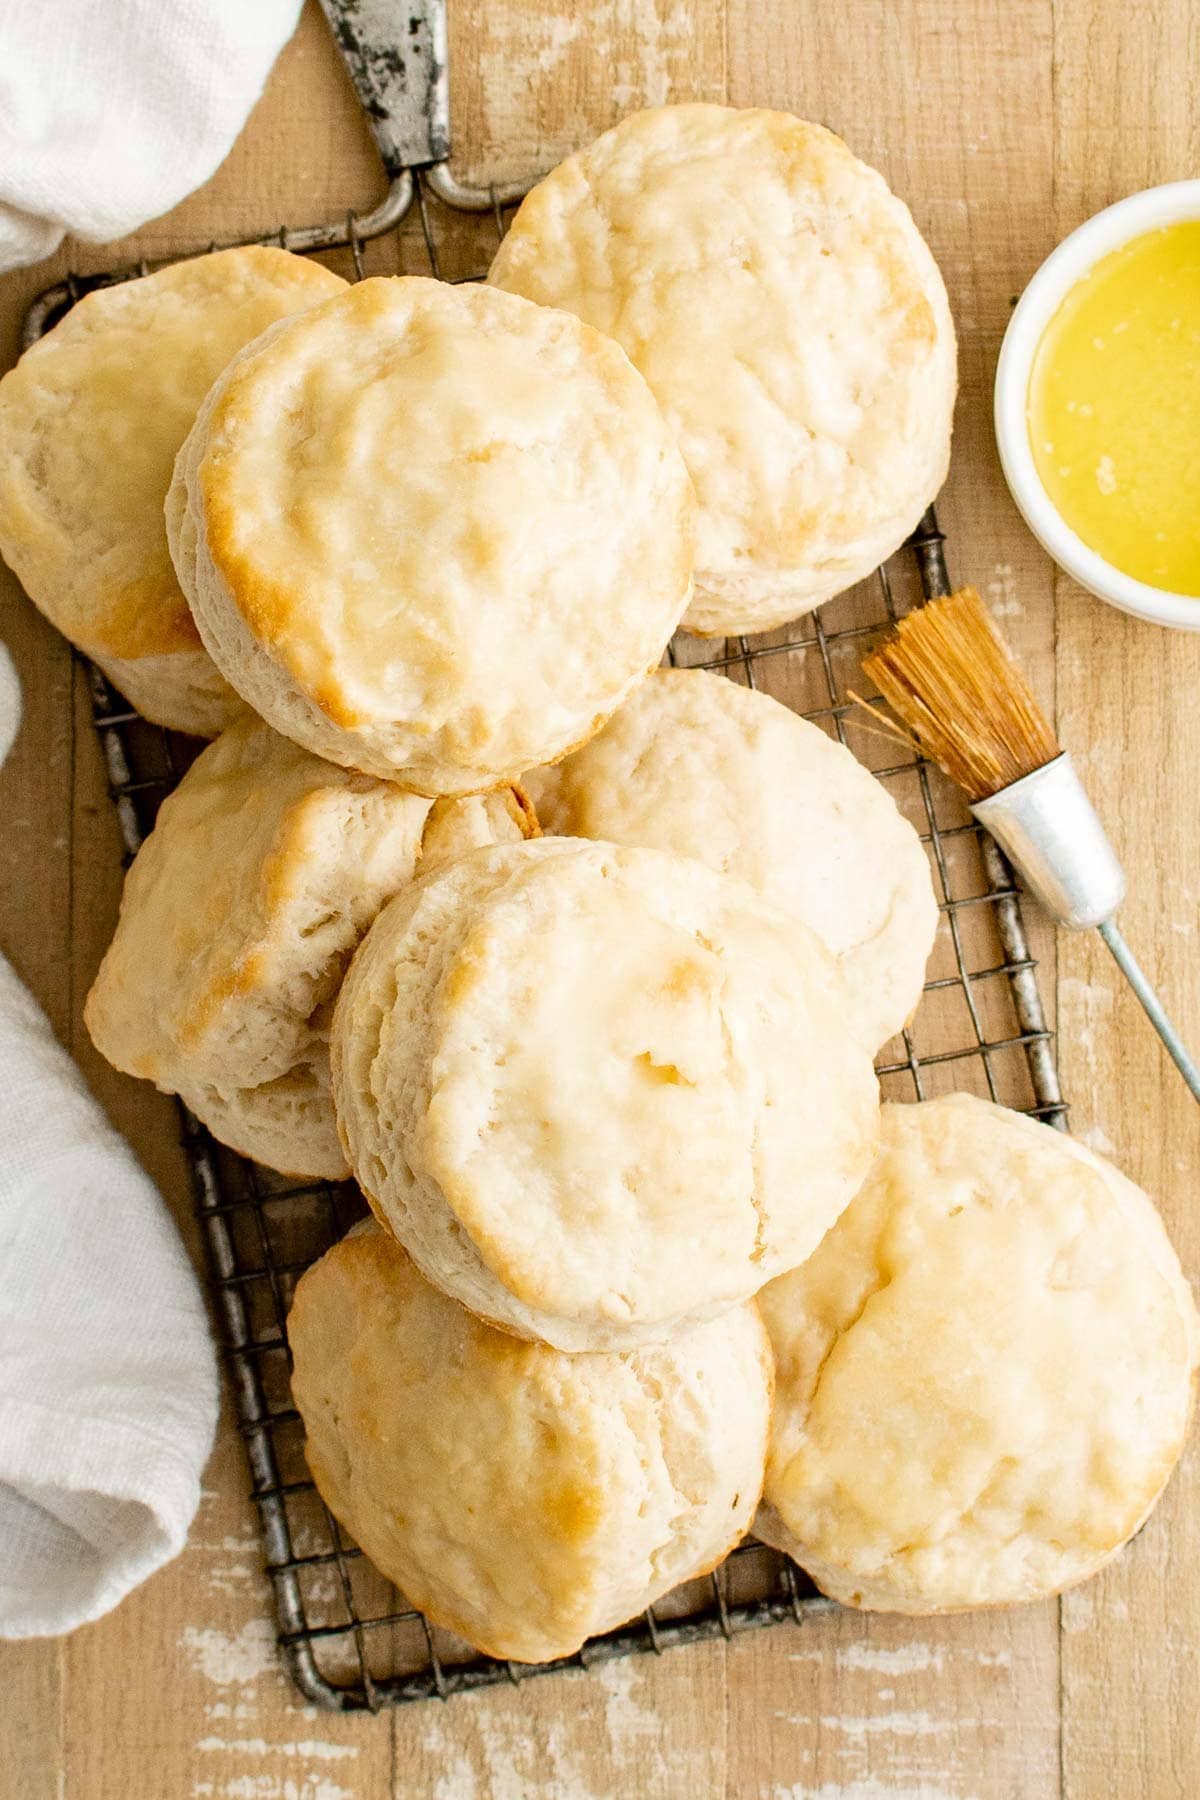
694 764
434 533
522 1499
238 919
599 1094
791 322
90 422
474 822
984 1374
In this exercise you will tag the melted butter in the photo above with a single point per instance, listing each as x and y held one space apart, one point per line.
1114 408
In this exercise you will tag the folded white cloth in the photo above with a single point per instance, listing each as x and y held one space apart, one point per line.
108 1389
112 110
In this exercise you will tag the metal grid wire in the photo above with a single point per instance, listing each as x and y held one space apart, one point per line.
348 1637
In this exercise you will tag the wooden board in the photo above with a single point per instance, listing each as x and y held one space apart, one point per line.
1131 1639
1003 127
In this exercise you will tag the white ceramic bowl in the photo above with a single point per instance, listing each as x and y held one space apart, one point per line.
1115 226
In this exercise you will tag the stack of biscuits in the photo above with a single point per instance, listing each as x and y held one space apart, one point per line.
578 966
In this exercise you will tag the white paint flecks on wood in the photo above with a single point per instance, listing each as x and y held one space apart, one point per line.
863 1790
904 1659
232 1659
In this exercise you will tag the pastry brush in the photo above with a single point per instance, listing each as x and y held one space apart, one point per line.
948 676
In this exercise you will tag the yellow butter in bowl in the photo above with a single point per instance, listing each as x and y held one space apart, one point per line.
1097 405
1113 408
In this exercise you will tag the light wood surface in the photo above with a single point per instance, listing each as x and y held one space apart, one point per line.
1003 127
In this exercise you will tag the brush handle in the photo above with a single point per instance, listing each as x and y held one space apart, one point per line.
1049 829
1131 969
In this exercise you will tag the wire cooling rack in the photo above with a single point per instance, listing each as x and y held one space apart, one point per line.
349 1639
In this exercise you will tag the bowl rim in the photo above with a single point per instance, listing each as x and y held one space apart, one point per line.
1117 225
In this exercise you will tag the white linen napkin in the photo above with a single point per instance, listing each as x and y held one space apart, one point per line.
112 110
108 1387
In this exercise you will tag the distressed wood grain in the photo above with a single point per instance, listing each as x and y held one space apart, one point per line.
1126 116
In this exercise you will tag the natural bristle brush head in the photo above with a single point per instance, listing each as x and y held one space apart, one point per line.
947 674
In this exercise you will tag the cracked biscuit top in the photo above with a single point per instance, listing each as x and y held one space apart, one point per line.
91 420
791 321
523 1499
984 1374
434 533
598 1093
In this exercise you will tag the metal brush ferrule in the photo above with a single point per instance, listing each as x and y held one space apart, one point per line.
1048 827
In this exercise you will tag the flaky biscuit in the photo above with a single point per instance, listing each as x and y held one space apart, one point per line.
791 322
984 1374
469 822
436 533
239 916
694 764
599 1094
523 1499
91 420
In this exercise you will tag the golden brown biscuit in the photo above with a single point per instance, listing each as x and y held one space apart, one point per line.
433 532
90 422
985 1372
791 322
599 1094
238 919
519 1497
